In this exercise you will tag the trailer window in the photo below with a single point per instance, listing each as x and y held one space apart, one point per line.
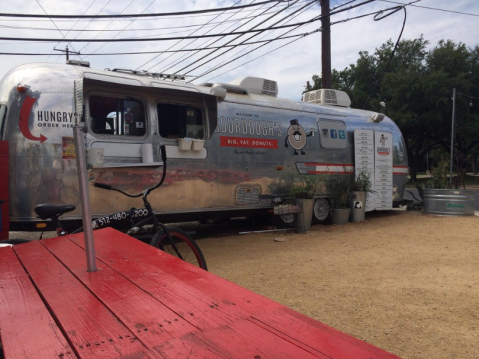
333 134
179 121
3 115
117 116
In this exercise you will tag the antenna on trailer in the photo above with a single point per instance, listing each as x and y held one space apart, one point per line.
67 52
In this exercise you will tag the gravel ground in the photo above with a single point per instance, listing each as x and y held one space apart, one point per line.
403 281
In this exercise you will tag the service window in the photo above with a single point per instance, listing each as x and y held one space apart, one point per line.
117 116
3 115
179 121
333 134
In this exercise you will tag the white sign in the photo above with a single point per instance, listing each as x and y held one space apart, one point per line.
364 159
383 170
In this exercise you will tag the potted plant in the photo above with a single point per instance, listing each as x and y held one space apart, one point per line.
303 191
360 186
338 187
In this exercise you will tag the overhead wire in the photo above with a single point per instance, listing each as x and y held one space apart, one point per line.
120 31
383 16
76 22
237 37
211 24
111 22
431 8
155 52
137 15
280 37
216 40
312 20
179 42
38 2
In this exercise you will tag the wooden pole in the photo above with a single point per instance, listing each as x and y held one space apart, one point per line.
325 45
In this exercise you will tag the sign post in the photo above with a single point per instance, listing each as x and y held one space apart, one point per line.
84 197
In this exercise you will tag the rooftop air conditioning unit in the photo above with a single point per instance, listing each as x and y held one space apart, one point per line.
328 97
257 85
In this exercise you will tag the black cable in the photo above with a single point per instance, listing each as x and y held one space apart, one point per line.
391 11
238 27
280 37
137 15
277 22
38 2
156 52
157 38
182 40
314 19
302 36
346 3
107 26
211 24
120 31
430 8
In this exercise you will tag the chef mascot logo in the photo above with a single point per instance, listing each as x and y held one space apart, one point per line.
296 137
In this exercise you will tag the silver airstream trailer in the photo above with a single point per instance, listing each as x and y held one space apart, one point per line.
226 143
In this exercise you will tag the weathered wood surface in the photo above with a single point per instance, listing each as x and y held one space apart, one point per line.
144 303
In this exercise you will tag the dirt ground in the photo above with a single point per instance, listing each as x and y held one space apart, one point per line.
403 281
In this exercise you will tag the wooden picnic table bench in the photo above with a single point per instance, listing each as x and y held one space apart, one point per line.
144 303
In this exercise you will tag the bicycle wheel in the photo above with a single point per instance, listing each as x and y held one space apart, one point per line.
188 250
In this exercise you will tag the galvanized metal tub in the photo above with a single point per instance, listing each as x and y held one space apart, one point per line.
448 202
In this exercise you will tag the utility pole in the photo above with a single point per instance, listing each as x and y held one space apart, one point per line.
452 135
325 45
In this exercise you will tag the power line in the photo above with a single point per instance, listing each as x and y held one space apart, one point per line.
180 41
431 8
183 57
131 22
280 37
155 52
279 47
237 37
38 2
159 38
137 15
247 22
211 24
111 22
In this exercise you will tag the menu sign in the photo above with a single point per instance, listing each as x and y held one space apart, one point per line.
364 159
383 170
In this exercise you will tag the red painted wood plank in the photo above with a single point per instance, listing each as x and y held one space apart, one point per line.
151 321
317 336
204 299
91 328
244 339
4 195
24 317
229 297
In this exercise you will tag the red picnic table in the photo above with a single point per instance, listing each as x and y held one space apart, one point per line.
144 303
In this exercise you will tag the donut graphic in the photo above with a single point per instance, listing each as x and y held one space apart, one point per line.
296 137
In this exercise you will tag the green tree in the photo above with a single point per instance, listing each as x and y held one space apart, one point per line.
417 88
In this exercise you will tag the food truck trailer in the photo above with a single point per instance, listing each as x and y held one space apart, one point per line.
226 143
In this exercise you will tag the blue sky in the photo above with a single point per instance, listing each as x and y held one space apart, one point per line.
291 66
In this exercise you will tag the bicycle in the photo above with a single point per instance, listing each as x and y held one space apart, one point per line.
171 240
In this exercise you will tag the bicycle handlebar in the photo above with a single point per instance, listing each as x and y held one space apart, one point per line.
102 185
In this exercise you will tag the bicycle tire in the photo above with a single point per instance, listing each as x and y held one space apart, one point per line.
188 248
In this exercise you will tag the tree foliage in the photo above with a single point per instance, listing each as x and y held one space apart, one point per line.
417 89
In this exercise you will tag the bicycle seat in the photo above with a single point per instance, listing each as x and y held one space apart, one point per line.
45 211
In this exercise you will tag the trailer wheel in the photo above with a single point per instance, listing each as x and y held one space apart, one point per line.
321 211
284 221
